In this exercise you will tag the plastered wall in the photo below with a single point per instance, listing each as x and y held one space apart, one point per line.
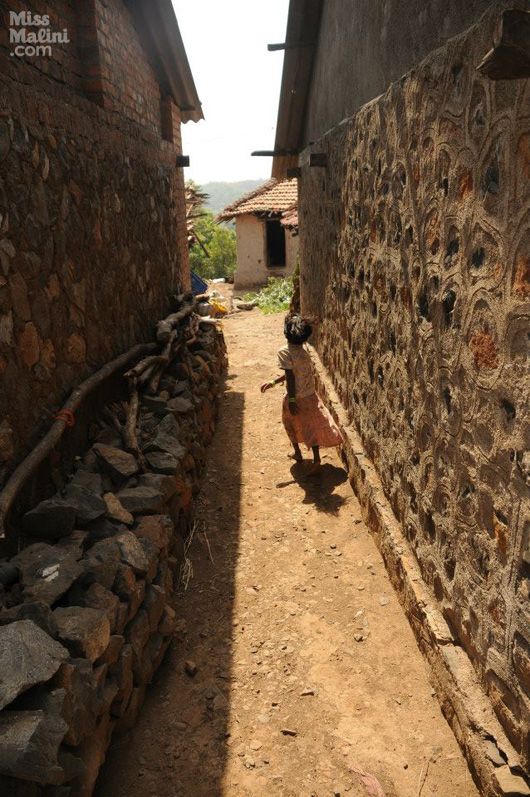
252 269
363 46
415 249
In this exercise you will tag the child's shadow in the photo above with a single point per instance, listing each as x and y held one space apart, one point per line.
319 488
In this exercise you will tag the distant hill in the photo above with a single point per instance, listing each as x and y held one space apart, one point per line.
223 194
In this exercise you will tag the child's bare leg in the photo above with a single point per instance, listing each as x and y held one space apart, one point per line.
315 466
297 454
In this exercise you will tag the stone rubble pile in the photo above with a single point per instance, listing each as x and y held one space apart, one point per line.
86 611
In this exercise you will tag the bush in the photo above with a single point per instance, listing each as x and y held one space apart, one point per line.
275 297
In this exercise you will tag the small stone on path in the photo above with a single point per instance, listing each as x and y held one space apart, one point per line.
190 668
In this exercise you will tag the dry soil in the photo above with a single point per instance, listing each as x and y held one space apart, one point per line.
307 669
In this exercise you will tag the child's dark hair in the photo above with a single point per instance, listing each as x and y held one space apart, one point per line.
297 329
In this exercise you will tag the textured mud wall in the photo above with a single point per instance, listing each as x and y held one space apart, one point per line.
92 225
415 248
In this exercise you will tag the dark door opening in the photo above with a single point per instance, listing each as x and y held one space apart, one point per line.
275 243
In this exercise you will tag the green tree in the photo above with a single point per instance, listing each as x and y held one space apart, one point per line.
213 252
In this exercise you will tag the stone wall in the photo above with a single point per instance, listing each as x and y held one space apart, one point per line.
415 249
87 606
92 212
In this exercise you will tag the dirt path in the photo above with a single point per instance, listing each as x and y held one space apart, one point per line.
294 626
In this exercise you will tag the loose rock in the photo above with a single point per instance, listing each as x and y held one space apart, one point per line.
142 500
84 631
88 506
101 563
156 528
39 613
167 444
88 480
47 571
161 462
132 553
117 463
30 746
28 656
51 519
190 668
116 510
180 405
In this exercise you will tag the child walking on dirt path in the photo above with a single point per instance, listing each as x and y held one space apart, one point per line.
304 416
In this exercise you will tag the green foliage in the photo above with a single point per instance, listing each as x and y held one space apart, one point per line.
275 297
217 255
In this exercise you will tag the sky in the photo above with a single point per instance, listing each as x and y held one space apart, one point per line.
238 82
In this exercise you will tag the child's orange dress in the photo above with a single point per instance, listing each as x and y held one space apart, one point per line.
312 424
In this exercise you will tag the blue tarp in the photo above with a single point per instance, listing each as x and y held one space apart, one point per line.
198 285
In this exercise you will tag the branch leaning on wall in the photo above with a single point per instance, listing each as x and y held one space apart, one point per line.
175 333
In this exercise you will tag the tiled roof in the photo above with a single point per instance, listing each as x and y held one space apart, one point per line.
290 218
274 196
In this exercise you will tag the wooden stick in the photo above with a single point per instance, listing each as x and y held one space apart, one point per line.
140 368
113 418
51 438
130 435
165 327
166 356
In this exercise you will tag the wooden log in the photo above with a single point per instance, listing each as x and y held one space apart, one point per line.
167 355
147 374
130 436
143 366
165 327
28 466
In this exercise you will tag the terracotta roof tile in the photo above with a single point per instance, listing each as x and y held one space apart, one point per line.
274 196
290 218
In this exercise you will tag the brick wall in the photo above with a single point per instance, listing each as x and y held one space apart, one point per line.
130 82
92 227
63 63
415 246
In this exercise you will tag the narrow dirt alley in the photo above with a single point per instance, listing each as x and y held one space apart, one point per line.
306 667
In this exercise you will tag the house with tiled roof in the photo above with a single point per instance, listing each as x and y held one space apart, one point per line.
267 232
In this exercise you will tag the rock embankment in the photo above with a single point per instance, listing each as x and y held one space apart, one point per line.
86 609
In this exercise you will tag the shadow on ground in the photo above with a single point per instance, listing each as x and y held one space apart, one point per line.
319 488
187 717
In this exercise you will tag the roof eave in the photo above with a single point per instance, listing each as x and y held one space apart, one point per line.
303 25
159 23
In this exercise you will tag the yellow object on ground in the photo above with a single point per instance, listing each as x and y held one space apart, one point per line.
217 307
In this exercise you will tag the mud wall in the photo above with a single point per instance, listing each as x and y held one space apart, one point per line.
252 269
415 250
89 605
363 46
92 219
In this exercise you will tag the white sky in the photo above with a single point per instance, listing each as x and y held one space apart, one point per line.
238 82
